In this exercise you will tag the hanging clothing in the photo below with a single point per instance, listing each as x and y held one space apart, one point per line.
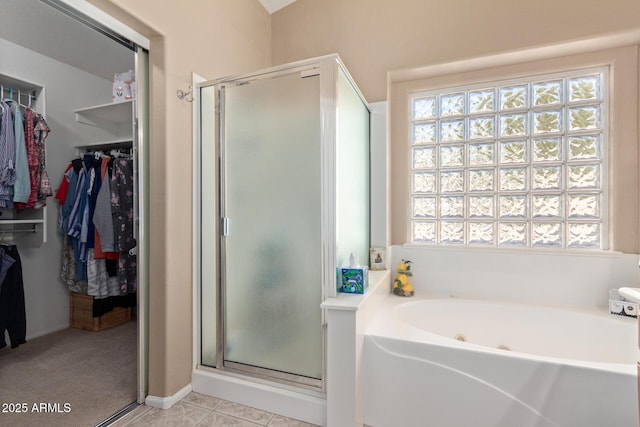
96 218
5 263
99 283
74 223
41 132
73 272
22 183
84 225
122 208
61 195
68 271
7 156
105 241
13 318
32 159
63 188
94 187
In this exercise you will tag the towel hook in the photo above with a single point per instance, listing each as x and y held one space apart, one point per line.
187 96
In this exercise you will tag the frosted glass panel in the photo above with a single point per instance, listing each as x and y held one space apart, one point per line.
272 255
452 105
208 226
352 174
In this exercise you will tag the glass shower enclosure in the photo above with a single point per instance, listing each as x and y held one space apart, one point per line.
284 201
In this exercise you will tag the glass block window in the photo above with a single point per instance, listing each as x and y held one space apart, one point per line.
513 163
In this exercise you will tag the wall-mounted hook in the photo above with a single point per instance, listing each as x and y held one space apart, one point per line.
187 96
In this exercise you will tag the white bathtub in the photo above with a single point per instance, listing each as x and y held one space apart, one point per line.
520 365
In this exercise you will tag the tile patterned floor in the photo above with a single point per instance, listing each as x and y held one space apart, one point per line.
199 410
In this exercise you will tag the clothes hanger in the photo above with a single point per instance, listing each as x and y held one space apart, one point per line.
1 97
119 155
3 239
21 104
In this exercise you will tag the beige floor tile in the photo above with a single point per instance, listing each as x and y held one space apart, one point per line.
205 411
202 400
245 412
217 419
181 414
280 421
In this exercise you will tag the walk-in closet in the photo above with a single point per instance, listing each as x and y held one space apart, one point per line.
69 316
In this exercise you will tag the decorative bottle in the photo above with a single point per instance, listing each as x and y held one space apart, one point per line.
402 285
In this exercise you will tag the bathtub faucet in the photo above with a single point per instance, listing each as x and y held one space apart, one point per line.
624 301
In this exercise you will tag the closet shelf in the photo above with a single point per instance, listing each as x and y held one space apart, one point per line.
106 114
114 143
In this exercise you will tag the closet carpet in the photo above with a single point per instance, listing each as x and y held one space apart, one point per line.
71 378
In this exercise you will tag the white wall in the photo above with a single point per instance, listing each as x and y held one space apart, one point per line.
66 89
378 134
567 278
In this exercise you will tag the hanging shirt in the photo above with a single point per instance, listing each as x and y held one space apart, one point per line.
7 156
74 224
41 131
70 198
22 184
61 194
122 209
32 159
105 246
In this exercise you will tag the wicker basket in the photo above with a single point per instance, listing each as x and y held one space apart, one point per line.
81 314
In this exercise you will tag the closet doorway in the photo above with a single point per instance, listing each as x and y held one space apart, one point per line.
76 354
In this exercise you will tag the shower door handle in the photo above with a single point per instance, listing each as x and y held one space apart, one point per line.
226 226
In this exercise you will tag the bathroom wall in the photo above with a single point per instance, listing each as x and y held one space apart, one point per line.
213 39
376 36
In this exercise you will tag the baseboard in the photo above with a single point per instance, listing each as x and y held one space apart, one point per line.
50 330
301 406
169 401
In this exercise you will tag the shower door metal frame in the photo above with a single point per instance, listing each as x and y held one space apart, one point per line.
102 22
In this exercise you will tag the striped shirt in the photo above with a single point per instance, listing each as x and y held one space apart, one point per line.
74 224
7 156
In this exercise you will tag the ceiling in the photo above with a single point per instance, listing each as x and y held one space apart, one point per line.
40 28
275 5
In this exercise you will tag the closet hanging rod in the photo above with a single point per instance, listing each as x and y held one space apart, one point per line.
10 92
17 230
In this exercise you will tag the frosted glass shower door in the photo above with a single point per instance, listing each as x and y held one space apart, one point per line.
271 250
